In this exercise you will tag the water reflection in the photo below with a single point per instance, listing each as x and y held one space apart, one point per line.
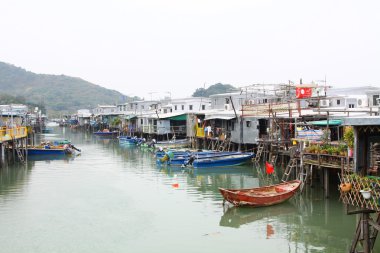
238 216
13 179
52 157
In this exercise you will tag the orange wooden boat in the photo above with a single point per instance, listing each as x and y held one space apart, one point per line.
261 196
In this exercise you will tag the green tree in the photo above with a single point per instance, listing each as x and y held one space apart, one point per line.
218 88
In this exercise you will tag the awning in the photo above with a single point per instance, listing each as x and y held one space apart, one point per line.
128 117
225 117
179 117
332 122
173 116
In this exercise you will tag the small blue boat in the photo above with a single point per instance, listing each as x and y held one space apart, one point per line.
174 143
188 158
221 161
48 151
127 140
47 130
106 133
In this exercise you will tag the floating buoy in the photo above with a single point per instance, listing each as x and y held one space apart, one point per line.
175 183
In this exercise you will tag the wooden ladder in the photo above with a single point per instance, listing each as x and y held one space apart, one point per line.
19 154
303 175
273 159
259 152
225 145
288 170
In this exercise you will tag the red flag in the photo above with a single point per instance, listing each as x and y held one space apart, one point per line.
303 92
269 168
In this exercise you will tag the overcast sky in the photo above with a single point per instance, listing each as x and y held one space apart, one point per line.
173 46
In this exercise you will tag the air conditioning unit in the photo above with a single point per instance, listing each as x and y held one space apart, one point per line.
226 107
324 103
360 103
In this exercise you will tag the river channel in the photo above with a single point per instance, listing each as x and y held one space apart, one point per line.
114 198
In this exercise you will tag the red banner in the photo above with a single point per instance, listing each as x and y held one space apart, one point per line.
303 92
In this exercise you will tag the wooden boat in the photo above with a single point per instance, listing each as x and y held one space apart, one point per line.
261 196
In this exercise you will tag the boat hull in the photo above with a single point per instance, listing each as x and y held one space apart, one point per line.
261 196
106 134
43 151
181 143
221 161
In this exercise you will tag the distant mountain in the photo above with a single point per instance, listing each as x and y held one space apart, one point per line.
58 93
217 88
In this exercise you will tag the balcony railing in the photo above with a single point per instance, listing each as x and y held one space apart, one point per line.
7 134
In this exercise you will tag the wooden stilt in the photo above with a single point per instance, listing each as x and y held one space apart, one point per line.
363 232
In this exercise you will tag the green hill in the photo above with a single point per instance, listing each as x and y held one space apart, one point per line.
58 93
217 88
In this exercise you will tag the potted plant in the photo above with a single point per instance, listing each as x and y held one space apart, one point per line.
348 137
345 187
366 193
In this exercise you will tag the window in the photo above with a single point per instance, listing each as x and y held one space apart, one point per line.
183 107
141 122
165 110
175 108
338 101
359 102
375 99
203 107
190 107
248 122
142 107
351 106
227 100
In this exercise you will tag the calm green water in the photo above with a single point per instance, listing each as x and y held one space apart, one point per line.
115 199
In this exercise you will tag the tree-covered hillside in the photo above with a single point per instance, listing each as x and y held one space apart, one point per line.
218 88
59 93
